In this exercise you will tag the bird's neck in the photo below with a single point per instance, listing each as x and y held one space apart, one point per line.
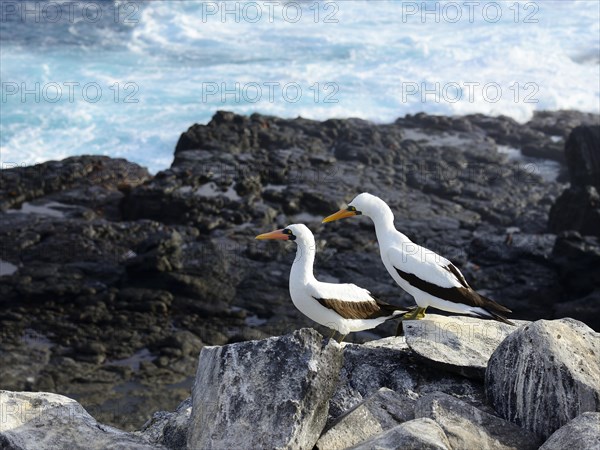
302 268
383 219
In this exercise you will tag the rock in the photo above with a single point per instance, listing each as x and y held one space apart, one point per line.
545 374
368 368
169 428
578 207
39 421
418 434
586 308
578 260
272 393
468 427
380 412
98 250
461 345
581 433
583 156
77 174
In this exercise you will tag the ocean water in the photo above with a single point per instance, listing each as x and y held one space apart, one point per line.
125 79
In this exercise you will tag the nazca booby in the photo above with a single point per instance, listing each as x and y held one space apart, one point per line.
344 308
430 278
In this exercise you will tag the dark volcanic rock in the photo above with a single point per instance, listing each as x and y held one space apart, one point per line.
104 269
578 208
87 179
583 156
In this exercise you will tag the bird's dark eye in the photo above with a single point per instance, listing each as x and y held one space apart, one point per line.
351 208
286 231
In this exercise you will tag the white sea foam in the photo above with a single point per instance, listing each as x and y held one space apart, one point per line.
371 55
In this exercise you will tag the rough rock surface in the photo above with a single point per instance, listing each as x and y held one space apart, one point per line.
418 434
44 421
581 433
380 412
577 259
545 374
468 427
94 178
578 207
111 280
169 428
272 393
456 344
370 367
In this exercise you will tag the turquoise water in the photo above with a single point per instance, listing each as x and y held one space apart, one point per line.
147 71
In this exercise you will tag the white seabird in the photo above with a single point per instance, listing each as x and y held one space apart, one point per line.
344 308
430 278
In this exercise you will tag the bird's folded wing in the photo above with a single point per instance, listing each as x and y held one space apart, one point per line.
355 310
351 301
427 266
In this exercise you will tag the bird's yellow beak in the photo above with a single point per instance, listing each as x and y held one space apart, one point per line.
341 214
277 234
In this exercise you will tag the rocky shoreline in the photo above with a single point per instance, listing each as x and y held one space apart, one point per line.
113 280
540 385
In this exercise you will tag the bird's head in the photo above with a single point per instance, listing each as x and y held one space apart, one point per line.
292 232
364 203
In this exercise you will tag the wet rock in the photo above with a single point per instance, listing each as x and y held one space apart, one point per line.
418 434
380 412
39 421
461 345
264 394
468 427
581 433
545 374
21 184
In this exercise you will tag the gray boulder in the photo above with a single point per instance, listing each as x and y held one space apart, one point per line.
581 433
390 363
383 410
272 393
545 374
457 344
44 421
169 428
468 427
418 434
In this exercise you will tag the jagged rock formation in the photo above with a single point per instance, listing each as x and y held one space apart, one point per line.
278 393
578 207
111 280
264 394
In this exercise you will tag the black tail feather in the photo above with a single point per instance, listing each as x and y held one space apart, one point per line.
496 310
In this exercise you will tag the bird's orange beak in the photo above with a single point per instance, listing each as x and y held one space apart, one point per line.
277 234
341 214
